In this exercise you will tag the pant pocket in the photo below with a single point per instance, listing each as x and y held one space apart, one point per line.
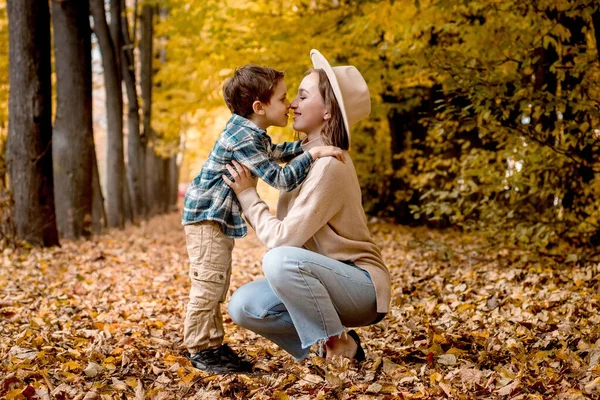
209 286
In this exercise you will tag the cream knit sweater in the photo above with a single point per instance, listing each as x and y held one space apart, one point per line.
325 215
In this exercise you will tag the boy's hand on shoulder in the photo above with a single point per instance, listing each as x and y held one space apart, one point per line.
327 151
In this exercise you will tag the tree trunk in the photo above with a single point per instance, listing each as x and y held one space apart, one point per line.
143 206
400 141
114 113
127 206
29 147
98 210
163 191
174 182
146 49
135 162
116 33
151 173
149 168
146 56
3 166
72 141
155 179
116 10
168 184
7 228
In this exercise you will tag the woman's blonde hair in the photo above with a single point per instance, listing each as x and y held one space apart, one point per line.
333 130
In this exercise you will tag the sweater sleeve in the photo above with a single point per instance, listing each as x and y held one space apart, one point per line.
318 201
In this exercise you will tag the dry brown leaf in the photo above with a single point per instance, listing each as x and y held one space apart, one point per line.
140 393
92 369
279 395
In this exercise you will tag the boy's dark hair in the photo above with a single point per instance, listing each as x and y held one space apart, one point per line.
250 83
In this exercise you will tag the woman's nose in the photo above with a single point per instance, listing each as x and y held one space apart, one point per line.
293 105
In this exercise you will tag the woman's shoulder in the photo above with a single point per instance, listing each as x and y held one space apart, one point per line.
332 171
333 166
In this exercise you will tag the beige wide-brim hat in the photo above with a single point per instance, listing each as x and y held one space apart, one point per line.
349 87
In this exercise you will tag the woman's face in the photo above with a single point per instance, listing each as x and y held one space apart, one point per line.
308 106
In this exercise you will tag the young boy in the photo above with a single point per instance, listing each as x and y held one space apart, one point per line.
212 218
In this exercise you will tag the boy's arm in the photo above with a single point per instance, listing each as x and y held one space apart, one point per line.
286 177
284 152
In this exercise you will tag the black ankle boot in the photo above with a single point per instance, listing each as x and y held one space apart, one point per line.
360 352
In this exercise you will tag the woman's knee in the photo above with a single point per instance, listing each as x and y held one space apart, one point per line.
236 307
250 303
275 262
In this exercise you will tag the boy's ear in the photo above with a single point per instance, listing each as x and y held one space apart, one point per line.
257 107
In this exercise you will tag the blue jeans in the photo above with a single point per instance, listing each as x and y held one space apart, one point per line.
306 297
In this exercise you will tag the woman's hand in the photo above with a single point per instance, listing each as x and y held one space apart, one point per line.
242 177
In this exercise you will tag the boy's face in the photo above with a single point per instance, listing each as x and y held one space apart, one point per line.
277 111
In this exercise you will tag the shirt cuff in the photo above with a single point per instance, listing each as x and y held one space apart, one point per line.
248 197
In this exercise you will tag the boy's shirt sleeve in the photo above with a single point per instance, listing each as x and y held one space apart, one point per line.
255 157
284 152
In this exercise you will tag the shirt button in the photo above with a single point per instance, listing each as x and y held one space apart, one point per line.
220 276
195 273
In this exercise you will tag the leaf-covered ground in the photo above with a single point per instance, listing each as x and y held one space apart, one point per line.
103 319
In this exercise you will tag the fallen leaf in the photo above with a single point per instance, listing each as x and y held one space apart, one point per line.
447 359
311 378
279 395
118 384
92 370
91 395
508 389
334 381
140 393
374 388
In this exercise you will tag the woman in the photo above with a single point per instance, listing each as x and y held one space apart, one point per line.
324 272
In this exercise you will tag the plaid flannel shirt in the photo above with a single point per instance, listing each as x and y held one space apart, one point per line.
209 198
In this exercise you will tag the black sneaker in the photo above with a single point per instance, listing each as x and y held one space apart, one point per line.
220 360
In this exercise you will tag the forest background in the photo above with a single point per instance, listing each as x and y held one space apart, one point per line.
485 114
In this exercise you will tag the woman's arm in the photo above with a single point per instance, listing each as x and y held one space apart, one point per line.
320 198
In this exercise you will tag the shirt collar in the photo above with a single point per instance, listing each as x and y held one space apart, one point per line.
245 122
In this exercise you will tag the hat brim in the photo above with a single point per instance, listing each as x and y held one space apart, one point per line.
320 62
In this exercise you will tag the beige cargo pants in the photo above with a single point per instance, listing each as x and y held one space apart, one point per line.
209 250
